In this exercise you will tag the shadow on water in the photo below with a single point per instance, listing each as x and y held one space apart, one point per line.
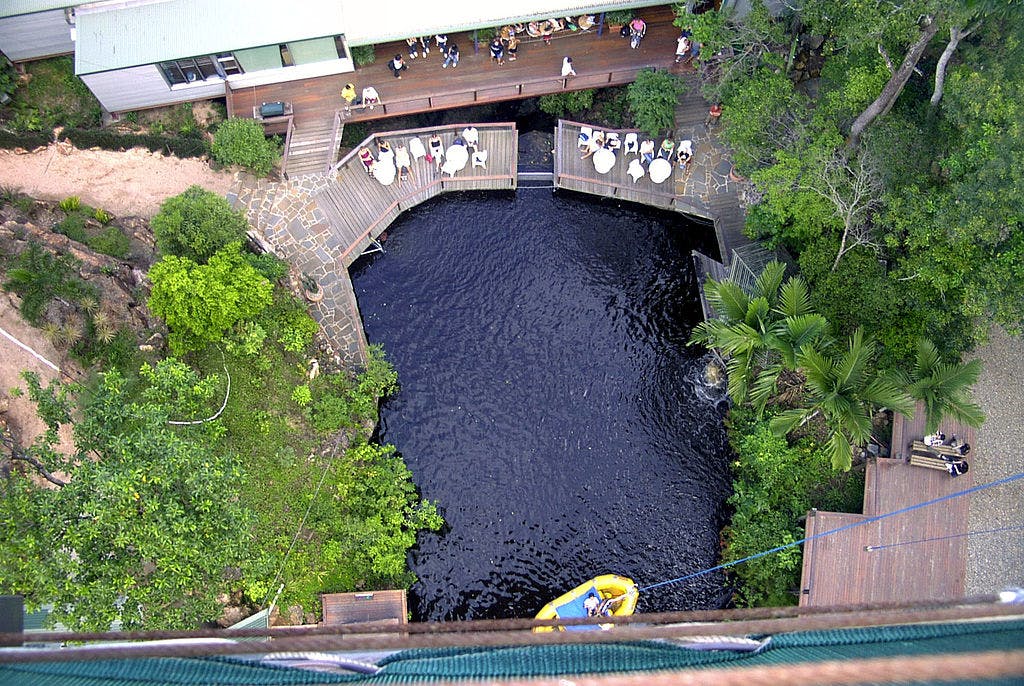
549 402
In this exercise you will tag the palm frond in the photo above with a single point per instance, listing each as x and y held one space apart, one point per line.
818 370
881 392
728 299
764 386
840 451
769 281
784 422
794 298
853 363
927 358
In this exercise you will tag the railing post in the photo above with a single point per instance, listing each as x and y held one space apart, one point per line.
600 24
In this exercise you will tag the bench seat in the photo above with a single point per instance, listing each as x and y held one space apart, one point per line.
929 461
919 446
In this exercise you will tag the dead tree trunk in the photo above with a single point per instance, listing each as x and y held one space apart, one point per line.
885 100
955 36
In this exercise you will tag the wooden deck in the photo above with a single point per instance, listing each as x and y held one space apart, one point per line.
371 606
577 174
603 60
359 208
848 568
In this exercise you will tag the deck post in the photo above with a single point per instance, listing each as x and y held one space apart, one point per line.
476 43
600 24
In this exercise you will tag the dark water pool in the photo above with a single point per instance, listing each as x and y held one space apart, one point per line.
548 400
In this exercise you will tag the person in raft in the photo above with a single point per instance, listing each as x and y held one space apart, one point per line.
591 604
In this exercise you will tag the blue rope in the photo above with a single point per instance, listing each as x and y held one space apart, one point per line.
870 548
869 520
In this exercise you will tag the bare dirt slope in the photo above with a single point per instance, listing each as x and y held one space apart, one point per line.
131 183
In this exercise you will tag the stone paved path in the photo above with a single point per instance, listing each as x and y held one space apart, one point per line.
286 219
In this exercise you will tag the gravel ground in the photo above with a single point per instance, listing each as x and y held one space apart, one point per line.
996 561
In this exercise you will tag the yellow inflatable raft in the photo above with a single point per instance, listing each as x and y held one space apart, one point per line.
617 596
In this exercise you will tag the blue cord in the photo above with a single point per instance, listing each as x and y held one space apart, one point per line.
876 518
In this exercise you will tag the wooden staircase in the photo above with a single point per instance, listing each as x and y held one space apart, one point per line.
313 148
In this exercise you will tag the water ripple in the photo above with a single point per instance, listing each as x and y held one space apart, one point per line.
549 403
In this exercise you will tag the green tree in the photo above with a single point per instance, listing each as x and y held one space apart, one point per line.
653 98
760 334
942 387
243 141
844 390
201 302
146 526
197 223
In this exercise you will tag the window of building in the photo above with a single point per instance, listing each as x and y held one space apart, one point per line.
228 64
286 56
189 70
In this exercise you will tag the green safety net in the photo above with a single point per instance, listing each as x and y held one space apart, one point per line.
422 665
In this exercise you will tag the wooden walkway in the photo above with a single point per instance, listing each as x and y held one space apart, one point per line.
600 61
359 208
849 568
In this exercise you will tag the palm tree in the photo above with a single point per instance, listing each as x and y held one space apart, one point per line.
761 333
942 387
845 390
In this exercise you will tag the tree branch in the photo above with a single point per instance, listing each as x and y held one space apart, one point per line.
955 36
18 453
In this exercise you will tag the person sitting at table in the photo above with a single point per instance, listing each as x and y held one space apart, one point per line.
366 157
595 143
684 154
384 152
403 163
647 151
436 154
665 151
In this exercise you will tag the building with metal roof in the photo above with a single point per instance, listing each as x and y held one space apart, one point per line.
135 54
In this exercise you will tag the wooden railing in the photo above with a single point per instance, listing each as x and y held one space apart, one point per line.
524 89
287 145
335 141
438 184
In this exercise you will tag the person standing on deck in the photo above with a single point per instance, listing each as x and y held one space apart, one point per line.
348 94
567 68
497 51
398 65
452 57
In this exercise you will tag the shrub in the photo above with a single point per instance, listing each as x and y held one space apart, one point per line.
22 139
297 331
653 98
110 241
200 303
302 395
39 276
363 55
72 226
71 203
102 216
269 265
558 104
196 224
181 146
619 17
243 142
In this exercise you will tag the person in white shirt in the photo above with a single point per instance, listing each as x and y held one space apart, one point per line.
567 68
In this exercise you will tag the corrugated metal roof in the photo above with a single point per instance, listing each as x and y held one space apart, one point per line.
12 8
129 34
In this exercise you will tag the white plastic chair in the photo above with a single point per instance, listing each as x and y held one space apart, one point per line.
632 145
480 159
416 148
635 169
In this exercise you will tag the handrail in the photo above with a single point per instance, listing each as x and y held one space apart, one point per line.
581 82
405 132
408 196
335 141
287 145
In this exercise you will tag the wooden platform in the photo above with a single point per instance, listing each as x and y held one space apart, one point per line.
359 208
600 60
577 174
370 606
842 568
